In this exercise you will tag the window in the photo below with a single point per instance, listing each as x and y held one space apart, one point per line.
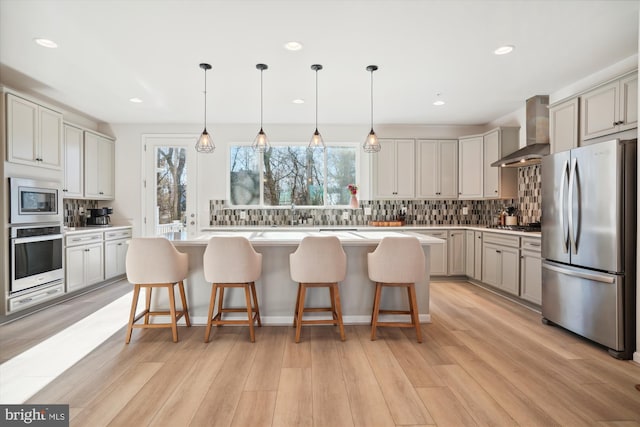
292 174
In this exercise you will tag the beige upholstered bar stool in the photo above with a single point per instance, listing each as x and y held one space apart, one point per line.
397 262
153 262
319 261
231 262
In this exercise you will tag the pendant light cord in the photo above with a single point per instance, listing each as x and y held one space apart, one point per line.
205 98
371 99
261 98
316 99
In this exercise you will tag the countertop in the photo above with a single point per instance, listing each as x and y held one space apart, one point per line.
283 237
94 229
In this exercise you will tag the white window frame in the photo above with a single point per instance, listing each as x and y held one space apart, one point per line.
261 205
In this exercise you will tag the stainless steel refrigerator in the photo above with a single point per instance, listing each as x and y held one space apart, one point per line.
589 243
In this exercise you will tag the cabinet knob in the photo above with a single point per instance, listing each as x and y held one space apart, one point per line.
495 191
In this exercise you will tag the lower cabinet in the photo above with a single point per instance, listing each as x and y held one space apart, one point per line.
438 265
84 265
115 254
500 263
456 253
531 270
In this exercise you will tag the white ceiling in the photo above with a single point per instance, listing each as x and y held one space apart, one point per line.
110 51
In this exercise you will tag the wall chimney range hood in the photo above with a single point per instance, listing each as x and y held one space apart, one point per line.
537 147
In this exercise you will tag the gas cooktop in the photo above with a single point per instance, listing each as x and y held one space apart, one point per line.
531 227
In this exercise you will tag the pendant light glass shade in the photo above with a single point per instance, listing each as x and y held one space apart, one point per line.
316 139
205 141
261 142
371 144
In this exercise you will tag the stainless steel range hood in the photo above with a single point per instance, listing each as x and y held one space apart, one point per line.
537 136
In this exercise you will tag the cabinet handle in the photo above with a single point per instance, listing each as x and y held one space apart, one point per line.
101 192
87 250
22 301
495 191
64 190
498 252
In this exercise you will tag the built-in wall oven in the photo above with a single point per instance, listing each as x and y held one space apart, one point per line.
35 236
36 257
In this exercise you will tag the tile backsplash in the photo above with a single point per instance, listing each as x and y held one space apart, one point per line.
72 216
418 212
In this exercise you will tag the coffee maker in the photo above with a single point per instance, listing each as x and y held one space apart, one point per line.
99 216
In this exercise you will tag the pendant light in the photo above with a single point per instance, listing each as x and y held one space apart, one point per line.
316 139
261 143
371 144
205 142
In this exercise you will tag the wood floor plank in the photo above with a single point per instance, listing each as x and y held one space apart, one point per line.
330 397
368 406
444 406
402 399
255 409
410 359
297 355
616 404
482 407
185 399
265 371
294 399
219 404
108 404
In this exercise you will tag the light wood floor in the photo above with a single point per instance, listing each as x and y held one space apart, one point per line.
484 361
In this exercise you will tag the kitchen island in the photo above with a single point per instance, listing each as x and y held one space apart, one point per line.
277 292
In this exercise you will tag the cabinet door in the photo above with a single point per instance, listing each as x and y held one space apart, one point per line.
438 261
74 263
115 253
50 138
385 170
405 169
477 272
106 154
470 168
563 126
469 253
22 130
94 264
491 265
531 276
509 270
455 259
428 177
73 162
448 169
629 102
599 111
491 175
91 162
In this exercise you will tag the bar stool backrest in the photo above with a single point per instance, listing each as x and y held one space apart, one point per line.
318 259
397 260
231 259
155 260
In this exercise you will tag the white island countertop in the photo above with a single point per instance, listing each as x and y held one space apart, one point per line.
293 237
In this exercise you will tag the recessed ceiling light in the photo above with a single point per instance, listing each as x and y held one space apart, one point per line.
439 102
293 45
503 50
298 101
135 100
46 43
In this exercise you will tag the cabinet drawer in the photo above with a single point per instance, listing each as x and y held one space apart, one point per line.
530 244
118 234
81 239
501 239
28 300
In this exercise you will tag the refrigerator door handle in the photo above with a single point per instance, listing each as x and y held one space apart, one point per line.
565 231
589 276
572 183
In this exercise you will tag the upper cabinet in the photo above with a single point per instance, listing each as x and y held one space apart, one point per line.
437 175
34 134
470 167
610 108
563 125
99 155
499 182
73 162
394 169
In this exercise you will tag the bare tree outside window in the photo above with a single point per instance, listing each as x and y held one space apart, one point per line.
292 174
171 180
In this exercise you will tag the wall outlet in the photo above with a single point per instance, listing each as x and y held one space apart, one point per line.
345 215
81 210
367 210
243 214
465 210
403 210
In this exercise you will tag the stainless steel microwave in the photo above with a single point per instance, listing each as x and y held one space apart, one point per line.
33 201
